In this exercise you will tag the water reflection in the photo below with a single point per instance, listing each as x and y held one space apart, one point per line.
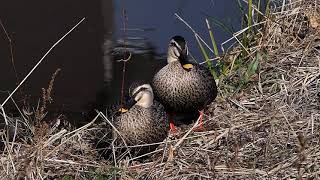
159 15
142 65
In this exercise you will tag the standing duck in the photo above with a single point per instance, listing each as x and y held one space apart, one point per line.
182 86
141 120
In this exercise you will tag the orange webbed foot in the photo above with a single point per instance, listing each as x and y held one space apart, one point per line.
200 127
173 128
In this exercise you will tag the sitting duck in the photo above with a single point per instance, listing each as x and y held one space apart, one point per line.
182 86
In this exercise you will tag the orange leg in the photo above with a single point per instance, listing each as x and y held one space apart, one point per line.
173 128
200 126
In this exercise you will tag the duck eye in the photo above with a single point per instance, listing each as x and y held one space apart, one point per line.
139 90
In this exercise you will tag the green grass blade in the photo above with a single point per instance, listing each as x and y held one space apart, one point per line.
259 9
214 44
252 68
240 7
242 14
267 11
250 14
206 57
221 24
67 177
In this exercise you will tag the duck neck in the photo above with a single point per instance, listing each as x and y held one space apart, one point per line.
171 59
146 100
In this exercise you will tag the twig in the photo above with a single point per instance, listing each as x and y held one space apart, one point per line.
71 162
155 151
195 33
239 105
14 135
221 135
4 115
31 71
75 132
124 16
213 59
186 134
125 60
11 50
234 36
116 130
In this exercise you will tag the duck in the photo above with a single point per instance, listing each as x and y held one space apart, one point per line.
141 119
183 86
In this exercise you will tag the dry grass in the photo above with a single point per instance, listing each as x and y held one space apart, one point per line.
268 130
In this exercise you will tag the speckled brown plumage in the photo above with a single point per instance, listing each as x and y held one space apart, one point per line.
180 90
143 125
140 125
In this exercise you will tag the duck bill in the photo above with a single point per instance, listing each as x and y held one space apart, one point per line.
127 105
186 64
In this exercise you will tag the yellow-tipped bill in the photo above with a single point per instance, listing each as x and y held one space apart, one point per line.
123 110
187 66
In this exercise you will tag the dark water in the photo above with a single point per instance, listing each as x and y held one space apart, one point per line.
159 15
90 76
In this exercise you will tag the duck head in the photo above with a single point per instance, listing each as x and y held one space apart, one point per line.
178 51
142 95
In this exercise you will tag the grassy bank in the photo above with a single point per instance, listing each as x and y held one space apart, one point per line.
264 124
